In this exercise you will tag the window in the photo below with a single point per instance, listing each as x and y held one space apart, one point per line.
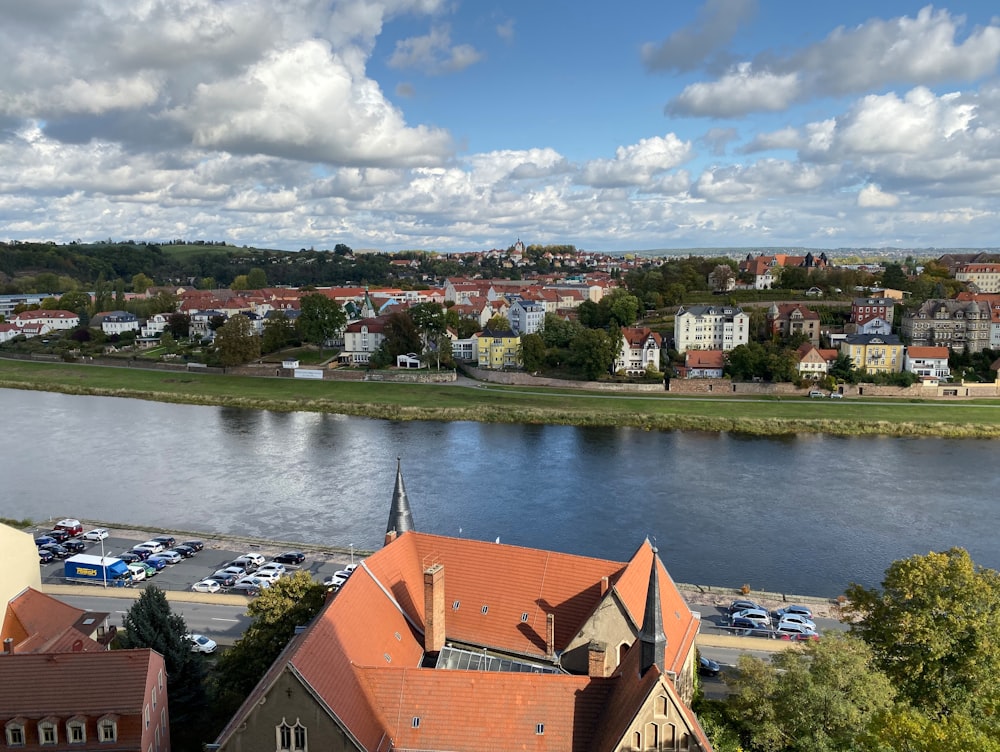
107 730
76 731
292 737
15 734
47 732
145 715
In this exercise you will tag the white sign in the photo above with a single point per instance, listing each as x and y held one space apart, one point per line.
304 373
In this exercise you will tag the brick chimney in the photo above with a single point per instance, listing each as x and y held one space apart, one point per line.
434 630
8 646
595 659
604 586
390 536
550 635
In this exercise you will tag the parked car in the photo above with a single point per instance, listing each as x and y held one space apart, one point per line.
73 527
797 619
74 546
708 667
272 566
333 581
97 534
59 534
245 563
795 632
138 572
836 395
129 557
44 540
261 583
168 541
757 615
186 551
196 544
748 628
45 556
150 569
142 553
270 576
57 550
290 557
234 571
794 609
816 393
201 644
226 580
246 589
153 546
156 562
207 586
171 556
743 605
352 567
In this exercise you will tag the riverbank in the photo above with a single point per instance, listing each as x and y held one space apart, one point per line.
518 405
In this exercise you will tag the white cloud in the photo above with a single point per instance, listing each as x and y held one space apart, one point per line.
637 164
740 91
872 197
686 49
786 138
433 53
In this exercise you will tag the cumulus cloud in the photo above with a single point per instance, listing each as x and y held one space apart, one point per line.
637 164
434 53
872 197
717 139
786 138
920 50
687 48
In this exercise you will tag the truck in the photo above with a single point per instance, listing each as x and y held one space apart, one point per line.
102 570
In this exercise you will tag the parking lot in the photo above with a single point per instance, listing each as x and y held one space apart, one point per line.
182 575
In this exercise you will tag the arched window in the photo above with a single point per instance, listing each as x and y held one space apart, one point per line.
652 736
76 730
48 732
290 737
14 731
107 729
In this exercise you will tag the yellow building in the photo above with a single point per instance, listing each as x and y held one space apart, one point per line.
874 353
498 349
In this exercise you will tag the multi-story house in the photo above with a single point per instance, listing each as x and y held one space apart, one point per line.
709 327
704 364
872 315
814 362
44 321
960 325
874 353
361 339
498 349
440 643
791 319
118 322
525 316
640 351
980 277
927 361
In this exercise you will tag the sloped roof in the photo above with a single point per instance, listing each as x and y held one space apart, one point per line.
40 684
636 336
705 359
927 352
40 623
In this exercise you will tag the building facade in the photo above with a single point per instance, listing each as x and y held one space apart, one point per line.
704 327
640 351
960 325
931 362
872 315
525 316
793 319
498 349
980 277
361 339
874 353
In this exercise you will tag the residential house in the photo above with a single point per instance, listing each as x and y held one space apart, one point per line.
980 277
993 302
814 362
361 339
704 364
201 323
117 322
440 643
116 700
640 351
704 327
498 349
35 622
960 325
930 362
45 321
793 319
155 325
872 315
462 349
874 353
525 316
765 269
9 302
8 332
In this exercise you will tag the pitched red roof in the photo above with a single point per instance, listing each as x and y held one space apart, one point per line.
40 623
927 352
704 359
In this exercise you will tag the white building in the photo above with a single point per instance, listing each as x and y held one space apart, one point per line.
119 322
985 277
361 339
705 327
640 351
525 316
45 321
927 361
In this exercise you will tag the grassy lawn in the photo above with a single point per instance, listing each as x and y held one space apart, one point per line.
497 404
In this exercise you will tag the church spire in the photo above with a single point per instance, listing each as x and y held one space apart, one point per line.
652 637
400 516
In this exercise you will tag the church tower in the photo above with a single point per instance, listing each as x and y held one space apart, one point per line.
400 516
652 637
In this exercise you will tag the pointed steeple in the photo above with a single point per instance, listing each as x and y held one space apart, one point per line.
400 516
652 637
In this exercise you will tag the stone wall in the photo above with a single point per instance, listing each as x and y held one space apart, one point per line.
517 378
412 376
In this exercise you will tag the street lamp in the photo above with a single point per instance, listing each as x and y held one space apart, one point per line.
104 569
352 553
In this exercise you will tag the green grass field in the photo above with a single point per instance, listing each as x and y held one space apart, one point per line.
496 404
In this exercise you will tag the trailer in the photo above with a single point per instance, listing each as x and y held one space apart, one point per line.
102 570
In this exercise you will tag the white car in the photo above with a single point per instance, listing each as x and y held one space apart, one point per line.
797 619
97 534
794 609
169 556
793 631
257 559
154 547
207 586
138 572
273 566
261 583
333 581
271 575
758 615
201 644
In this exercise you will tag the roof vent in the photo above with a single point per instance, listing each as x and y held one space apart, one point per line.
416 721
455 605
388 658
540 728
524 616
485 609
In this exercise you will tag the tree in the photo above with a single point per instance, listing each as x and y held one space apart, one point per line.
256 279
290 602
429 318
141 283
934 628
179 325
240 283
498 323
533 351
150 623
593 352
279 332
74 301
817 699
894 277
401 336
621 306
321 318
236 342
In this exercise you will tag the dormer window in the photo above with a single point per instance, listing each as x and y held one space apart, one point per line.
48 732
14 731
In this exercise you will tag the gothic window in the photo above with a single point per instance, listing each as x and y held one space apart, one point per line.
290 738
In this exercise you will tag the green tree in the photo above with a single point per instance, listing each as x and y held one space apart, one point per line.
279 332
179 325
291 602
321 318
401 336
256 279
102 295
429 318
533 351
141 283
817 699
498 323
150 623
240 283
236 342
592 352
50 304
558 332
74 301
934 627
894 277
621 306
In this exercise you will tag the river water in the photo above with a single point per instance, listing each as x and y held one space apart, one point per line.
806 514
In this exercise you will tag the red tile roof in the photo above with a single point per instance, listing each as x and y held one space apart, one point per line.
40 623
705 359
927 352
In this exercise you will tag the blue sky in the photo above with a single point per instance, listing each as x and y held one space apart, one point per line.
461 126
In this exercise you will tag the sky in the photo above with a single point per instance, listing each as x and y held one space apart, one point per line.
461 125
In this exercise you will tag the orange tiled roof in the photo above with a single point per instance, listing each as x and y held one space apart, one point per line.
704 359
40 623
927 352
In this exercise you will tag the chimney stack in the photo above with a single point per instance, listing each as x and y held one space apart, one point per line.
434 630
595 659
8 646
390 536
604 586
550 635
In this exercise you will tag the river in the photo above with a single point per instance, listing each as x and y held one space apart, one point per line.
805 514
